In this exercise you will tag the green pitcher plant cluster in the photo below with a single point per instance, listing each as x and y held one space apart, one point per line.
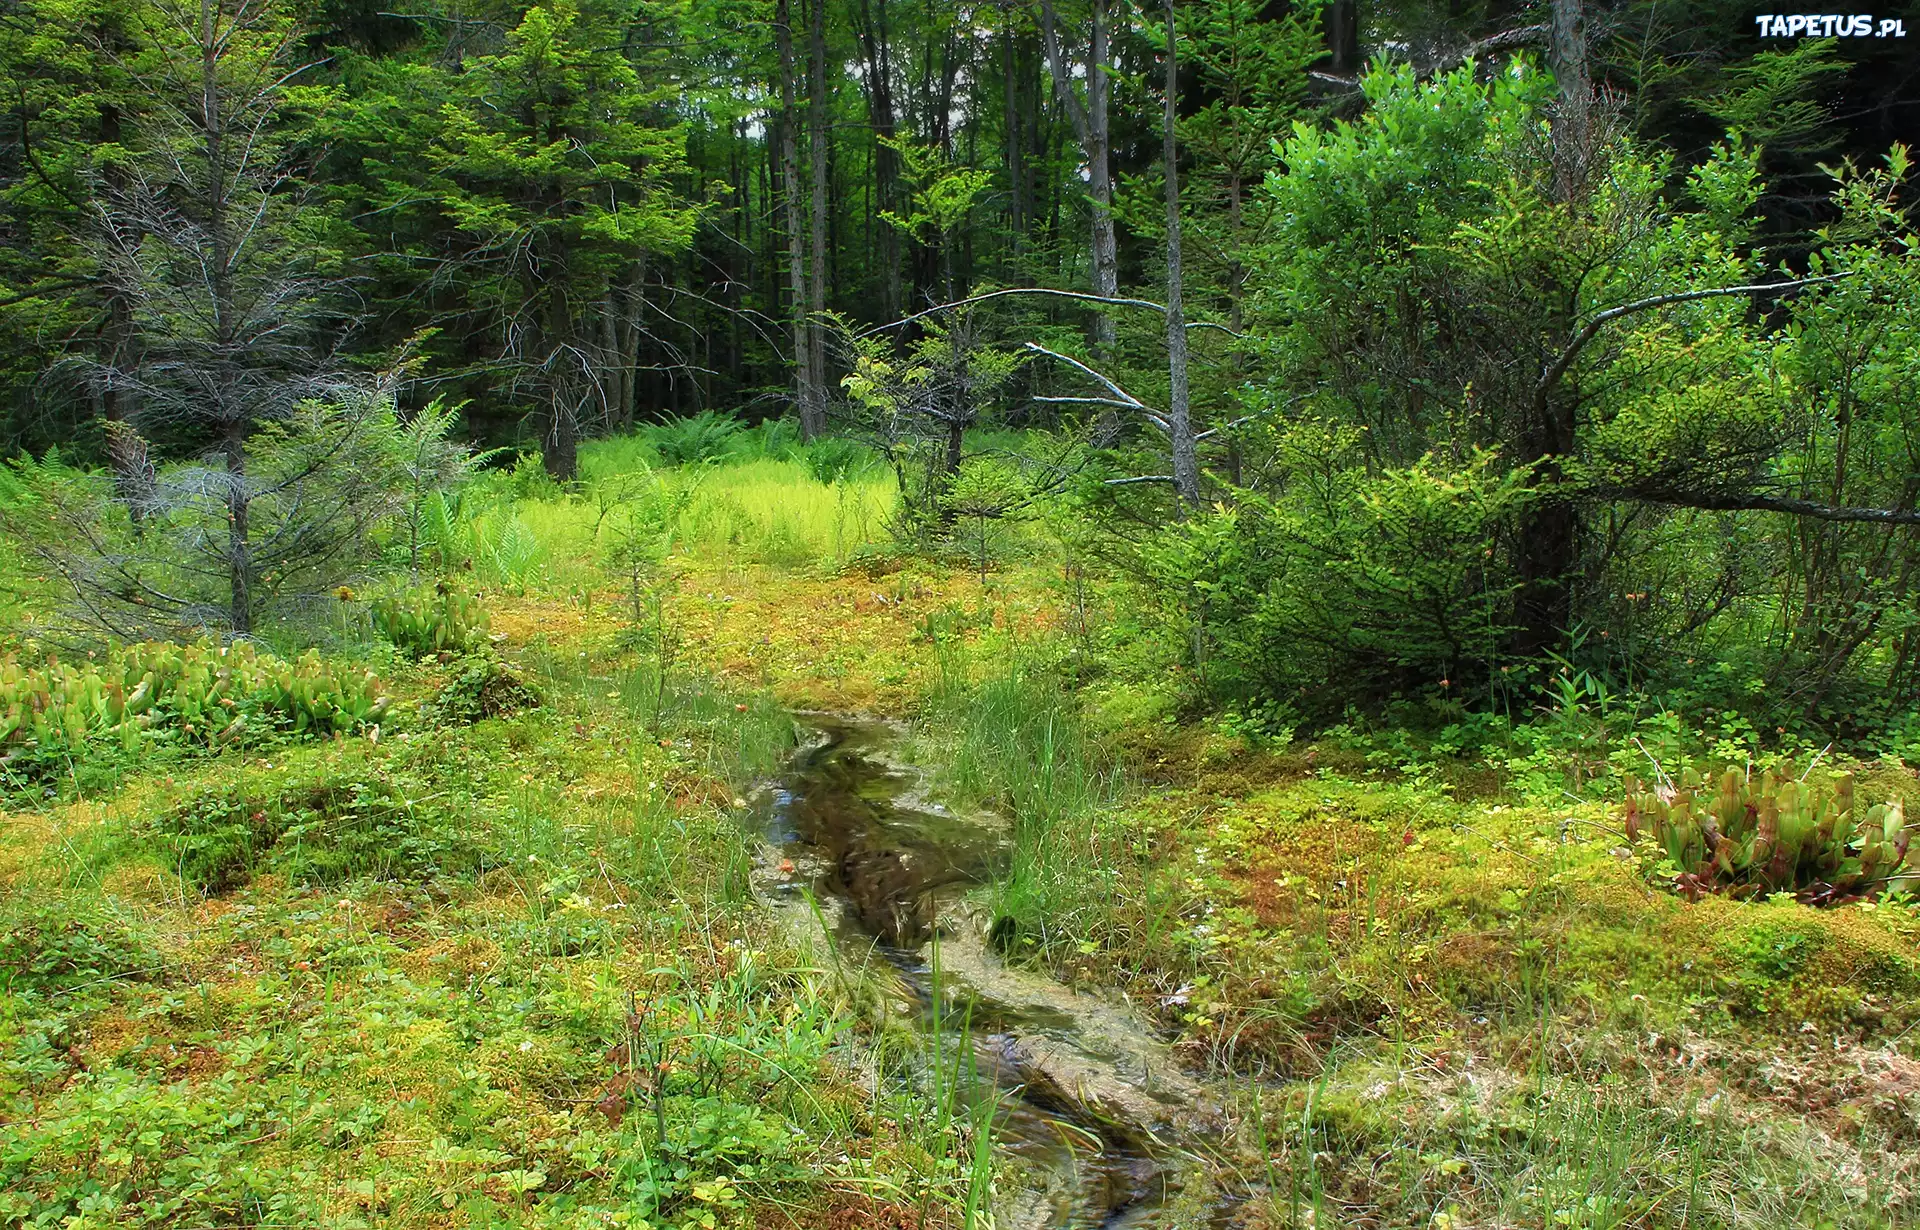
426 620
1777 833
202 693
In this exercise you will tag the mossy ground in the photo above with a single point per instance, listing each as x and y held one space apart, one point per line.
570 1012
1468 1006
1464 1005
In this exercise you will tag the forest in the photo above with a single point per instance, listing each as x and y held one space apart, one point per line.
865 615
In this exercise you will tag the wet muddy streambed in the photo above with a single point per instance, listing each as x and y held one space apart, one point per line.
1102 1126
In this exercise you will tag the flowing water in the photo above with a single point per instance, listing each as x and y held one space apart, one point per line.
1097 1121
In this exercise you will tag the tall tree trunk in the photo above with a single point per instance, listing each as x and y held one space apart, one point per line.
1091 127
877 54
225 323
239 546
1342 18
814 416
796 224
617 376
1186 462
1016 161
1573 114
1106 253
134 478
632 299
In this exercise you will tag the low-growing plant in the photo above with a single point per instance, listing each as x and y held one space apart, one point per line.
200 694
52 945
440 618
318 831
706 436
485 687
1777 834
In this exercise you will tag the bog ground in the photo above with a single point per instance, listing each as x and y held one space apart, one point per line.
506 956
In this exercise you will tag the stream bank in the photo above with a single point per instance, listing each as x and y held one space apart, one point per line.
1096 1120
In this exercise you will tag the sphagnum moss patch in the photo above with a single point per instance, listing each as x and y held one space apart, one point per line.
380 980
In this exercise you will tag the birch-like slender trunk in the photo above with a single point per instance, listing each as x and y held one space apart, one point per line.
1090 126
1186 461
813 414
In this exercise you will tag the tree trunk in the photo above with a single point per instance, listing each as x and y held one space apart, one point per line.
1549 548
233 418
796 228
1106 253
562 452
1573 115
814 418
616 375
239 548
1091 127
1342 18
1016 162
1186 462
632 299
877 52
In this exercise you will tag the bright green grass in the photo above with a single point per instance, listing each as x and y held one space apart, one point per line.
777 512
764 498
762 510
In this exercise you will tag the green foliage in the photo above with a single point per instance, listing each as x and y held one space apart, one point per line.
322 830
528 181
1772 98
61 945
430 463
1617 466
981 497
707 436
1347 586
915 405
1014 741
200 695
1777 834
428 620
483 687
326 483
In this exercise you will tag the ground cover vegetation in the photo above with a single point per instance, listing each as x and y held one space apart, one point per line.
1408 513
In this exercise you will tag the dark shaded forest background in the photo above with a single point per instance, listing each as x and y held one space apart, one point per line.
1604 375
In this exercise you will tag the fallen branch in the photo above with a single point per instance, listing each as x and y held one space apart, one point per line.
1076 295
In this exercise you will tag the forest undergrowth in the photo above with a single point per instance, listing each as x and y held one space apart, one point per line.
498 960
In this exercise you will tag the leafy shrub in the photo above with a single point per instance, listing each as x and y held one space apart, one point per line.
1351 586
426 621
1779 834
200 693
485 688
319 831
48 946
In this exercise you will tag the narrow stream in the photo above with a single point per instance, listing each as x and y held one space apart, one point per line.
1101 1123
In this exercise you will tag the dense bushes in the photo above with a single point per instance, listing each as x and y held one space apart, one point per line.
1343 586
1499 423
